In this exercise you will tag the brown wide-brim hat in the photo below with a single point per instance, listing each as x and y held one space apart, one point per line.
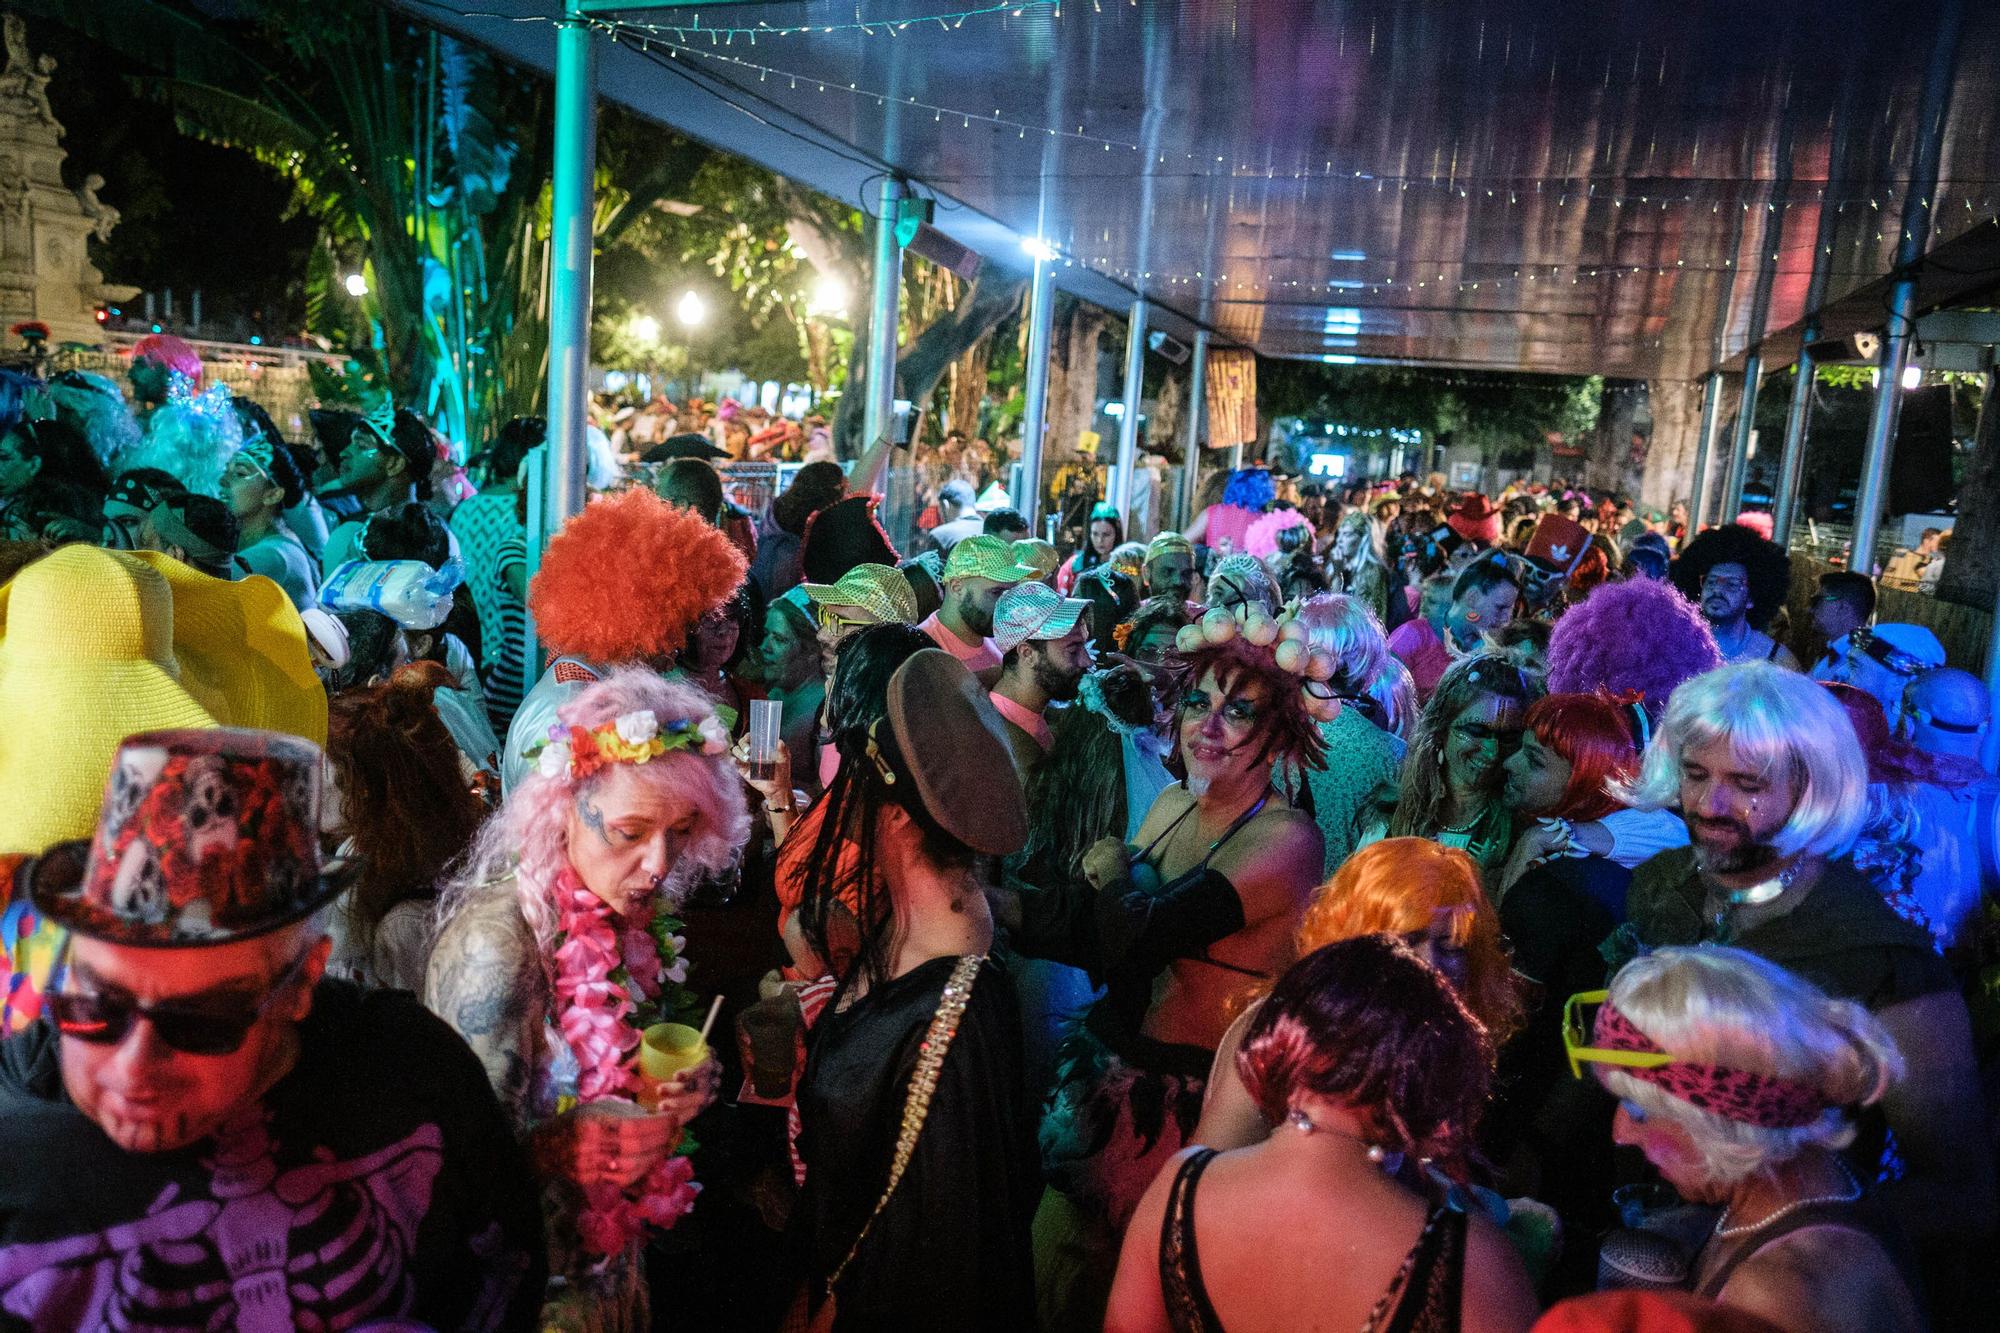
952 744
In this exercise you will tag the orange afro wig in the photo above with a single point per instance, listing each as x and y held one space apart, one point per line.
625 580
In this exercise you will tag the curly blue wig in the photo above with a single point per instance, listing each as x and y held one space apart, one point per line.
1249 488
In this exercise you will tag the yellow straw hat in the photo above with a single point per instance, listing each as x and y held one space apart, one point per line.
98 645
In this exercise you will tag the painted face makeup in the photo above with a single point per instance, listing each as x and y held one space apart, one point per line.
1221 729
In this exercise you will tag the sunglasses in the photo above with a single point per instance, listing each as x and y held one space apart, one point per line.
195 1027
1576 1039
832 622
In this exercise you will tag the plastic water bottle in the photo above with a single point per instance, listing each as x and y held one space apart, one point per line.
409 592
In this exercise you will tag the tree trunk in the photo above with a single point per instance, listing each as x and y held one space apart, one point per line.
968 389
1608 465
1972 567
1072 399
1669 469
921 362
1163 428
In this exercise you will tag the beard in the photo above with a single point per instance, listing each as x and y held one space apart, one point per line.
978 619
1058 683
1727 847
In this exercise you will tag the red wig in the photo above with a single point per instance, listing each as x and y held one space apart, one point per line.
1594 735
1368 1024
164 349
1286 729
625 580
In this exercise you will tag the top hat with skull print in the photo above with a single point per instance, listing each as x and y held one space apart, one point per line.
205 837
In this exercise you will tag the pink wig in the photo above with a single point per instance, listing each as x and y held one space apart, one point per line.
1636 635
164 349
1758 521
528 836
1261 540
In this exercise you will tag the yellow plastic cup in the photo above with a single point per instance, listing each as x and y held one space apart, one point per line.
665 1049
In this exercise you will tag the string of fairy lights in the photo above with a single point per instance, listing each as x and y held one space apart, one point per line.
680 42
949 22
693 40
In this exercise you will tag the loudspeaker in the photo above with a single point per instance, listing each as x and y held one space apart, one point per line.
1920 470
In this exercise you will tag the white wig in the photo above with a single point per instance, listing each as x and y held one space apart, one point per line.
1726 1007
1789 727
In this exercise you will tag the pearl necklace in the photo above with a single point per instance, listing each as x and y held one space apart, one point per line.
1305 1124
1853 1192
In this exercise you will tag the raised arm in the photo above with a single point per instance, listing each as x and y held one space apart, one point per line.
866 479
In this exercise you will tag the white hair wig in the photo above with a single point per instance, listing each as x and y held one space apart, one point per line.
1711 1005
1790 727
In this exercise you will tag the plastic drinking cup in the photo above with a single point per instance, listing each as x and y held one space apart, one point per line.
767 718
665 1049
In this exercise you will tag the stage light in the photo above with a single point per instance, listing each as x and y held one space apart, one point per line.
1037 249
357 286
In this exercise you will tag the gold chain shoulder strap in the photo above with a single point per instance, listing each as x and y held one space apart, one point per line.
923 1082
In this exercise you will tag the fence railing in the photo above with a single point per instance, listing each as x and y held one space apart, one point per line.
1965 631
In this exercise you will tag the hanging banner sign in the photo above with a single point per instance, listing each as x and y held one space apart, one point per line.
1232 397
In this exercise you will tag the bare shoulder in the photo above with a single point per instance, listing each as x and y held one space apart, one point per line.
1828 1279
1169 805
1498 1295
1282 847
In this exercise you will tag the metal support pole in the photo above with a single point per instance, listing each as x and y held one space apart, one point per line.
1035 394
1902 327
1739 449
571 240
1798 422
1984 437
1711 417
880 404
1197 413
1128 424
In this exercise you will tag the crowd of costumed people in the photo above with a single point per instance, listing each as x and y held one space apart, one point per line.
1374 906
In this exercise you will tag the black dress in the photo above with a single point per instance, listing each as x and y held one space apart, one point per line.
951 1249
1555 917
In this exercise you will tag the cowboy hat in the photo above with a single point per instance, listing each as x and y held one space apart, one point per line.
162 646
1475 519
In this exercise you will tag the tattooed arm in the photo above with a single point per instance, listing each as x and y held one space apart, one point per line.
484 980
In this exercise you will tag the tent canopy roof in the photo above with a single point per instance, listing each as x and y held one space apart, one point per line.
1608 188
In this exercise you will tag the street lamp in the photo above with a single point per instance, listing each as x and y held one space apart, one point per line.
646 329
829 296
357 286
690 310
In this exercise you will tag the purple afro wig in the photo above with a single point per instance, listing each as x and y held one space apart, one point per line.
1636 635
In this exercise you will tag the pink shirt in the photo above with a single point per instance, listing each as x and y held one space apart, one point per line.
1417 646
977 657
1024 718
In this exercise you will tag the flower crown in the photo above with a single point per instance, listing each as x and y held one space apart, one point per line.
631 738
1293 651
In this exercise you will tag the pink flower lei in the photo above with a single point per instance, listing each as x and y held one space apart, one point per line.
601 1022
